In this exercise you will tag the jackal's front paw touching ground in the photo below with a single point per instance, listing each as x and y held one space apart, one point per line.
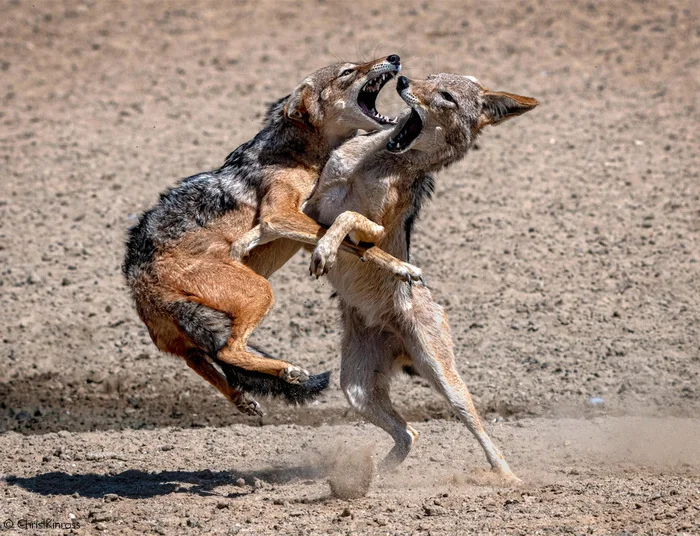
294 374
322 259
248 405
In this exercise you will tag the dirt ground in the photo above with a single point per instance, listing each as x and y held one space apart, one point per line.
565 250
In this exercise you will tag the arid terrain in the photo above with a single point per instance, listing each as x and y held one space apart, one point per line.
565 249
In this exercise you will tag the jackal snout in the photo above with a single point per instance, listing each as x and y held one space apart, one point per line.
451 109
343 96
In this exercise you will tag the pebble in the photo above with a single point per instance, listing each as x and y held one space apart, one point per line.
97 516
489 503
92 456
240 482
434 510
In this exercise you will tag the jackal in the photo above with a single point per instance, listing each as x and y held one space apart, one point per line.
196 300
372 190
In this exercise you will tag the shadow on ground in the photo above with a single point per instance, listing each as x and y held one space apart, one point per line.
136 484
27 407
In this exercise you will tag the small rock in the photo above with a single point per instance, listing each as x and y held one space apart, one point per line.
166 448
93 456
596 401
63 434
240 482
434 510
111 497
97 516
221 505
345 513
96 377
191 522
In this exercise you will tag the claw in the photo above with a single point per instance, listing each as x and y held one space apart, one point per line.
295 375
423 281
248 406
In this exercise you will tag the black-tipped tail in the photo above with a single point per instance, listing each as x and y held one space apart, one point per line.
258 383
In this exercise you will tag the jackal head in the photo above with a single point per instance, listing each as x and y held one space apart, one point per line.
341 98
447 113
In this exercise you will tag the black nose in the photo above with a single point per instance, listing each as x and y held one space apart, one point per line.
394 59
402 84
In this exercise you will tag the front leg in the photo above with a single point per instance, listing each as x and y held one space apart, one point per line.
295 225
326 252
242 247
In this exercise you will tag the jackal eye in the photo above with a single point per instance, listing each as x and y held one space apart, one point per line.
347 72
449 98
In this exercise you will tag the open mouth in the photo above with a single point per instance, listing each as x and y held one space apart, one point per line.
367 99
407 135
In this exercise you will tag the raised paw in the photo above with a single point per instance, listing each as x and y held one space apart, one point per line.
248 406
294 374
322 260
409 273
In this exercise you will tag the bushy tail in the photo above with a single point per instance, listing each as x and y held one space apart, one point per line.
263 384
209 330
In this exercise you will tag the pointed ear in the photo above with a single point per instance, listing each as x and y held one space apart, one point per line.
499 106
299 108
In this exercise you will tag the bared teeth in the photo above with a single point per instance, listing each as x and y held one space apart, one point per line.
374 86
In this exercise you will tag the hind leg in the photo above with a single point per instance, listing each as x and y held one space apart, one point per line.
245 298
199 362
429 345
221 303
365 377
193 332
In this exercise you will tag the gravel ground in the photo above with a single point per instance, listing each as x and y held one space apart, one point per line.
565 251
